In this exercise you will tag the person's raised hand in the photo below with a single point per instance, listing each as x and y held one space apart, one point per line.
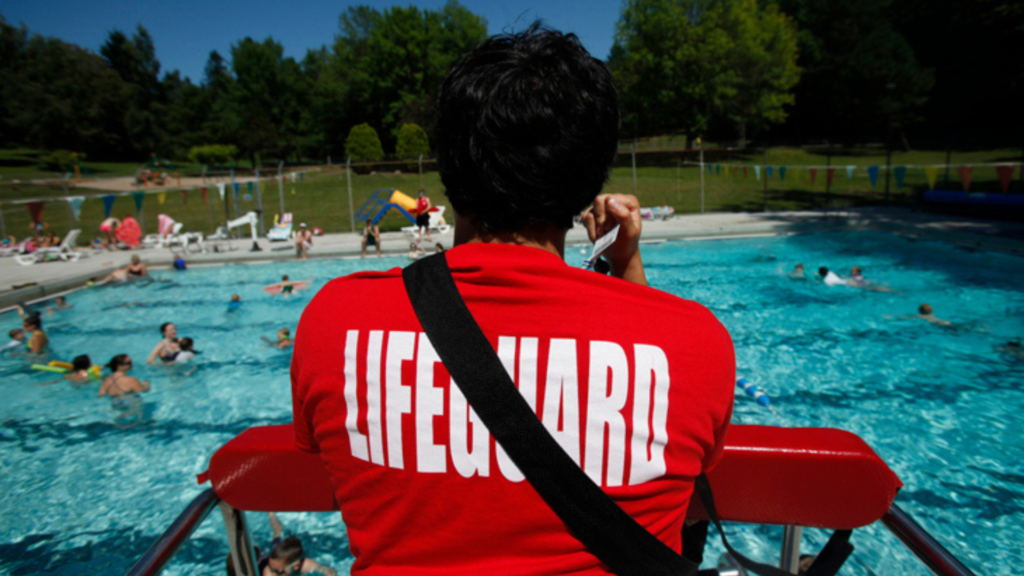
623 210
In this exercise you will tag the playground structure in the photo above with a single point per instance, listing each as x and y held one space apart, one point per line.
384 199
155 172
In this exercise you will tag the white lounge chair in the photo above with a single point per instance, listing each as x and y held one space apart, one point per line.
437 223
65 252
282 229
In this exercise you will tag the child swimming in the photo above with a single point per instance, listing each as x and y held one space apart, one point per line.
284 339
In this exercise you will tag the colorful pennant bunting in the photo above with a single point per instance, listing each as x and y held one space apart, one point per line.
76 205
108 203
900 173
1005 173
931 174
235 184
220 188
873 175
965 173
769 172
782 173
757 172
814 175
745 171
161 198
36 210
138 197
849 172
830 173
203 192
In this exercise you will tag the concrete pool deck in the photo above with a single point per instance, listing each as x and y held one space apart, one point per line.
28 283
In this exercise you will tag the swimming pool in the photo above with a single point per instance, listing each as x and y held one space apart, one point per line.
84 492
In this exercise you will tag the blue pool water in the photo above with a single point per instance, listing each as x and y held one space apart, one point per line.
85 492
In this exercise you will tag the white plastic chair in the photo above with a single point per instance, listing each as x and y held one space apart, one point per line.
65 252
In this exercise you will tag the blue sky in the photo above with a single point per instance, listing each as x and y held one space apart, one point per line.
185 31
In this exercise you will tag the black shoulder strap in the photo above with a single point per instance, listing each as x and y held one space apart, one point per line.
625 546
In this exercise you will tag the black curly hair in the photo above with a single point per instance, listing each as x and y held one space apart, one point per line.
527 129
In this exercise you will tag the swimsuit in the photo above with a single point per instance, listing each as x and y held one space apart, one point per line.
371 240
287 289
135 272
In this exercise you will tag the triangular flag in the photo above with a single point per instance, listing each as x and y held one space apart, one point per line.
768 170
235 184
161 198
36 210
108 203
830 172
220 188
735 170
757 172
744 171
184 195
814 174
1005 173
900 173
873 175
76 204
718 169
797 172
292 175
203 192
293 190
302 175
931 173
782 173
849 172
138 197
965 176
250 186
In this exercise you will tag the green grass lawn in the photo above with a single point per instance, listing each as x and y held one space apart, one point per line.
321 198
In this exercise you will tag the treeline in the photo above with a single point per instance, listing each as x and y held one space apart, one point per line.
797 70
382 69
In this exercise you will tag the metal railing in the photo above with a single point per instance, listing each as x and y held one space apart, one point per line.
933 554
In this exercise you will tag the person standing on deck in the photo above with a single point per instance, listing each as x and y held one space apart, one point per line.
423 207
636 385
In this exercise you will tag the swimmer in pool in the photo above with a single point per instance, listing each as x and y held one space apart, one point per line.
416 251
38 342
59 303
797 273
925 312
284 339
18 340
79 370
286 285
235 303
137 268
167 349
858 280
119 383
187 351
830 278
1012 349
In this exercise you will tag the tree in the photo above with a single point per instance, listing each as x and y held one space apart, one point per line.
412 142
861 76
363 144
391 63
134 60
213 154
681 64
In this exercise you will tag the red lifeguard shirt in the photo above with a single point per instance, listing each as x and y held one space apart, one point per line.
635 384
421 206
